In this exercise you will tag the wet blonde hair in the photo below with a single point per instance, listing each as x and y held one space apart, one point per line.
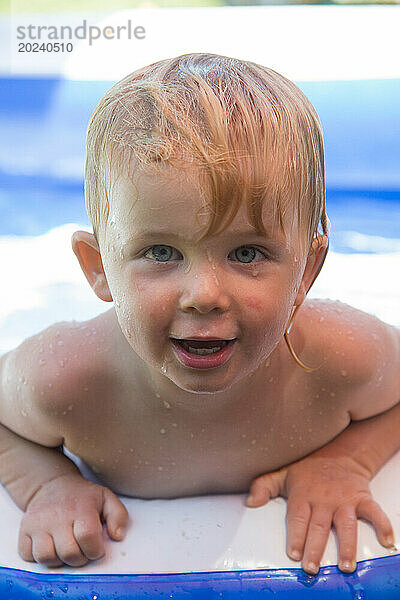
252 134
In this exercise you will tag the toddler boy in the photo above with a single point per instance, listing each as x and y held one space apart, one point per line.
205 188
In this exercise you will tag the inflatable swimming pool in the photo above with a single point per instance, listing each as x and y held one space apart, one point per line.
206 547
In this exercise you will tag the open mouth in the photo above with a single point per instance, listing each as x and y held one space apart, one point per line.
202 347
203 354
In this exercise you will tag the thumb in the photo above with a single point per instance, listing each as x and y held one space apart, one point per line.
265 487
115 515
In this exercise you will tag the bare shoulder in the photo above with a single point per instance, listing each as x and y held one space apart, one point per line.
353 349
49 371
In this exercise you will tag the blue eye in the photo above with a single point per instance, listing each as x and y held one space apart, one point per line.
161 253
246 254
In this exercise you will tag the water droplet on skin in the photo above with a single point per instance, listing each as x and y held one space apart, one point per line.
130 449
321 319
166 404
216 279
42 362
174 424
60 343
253 442
271 379
160 468
164 369
62 363
24 413
162 431
343 373
268 362
244 435
255 272
332 394
70 406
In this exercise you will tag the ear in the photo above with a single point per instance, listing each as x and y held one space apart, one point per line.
87 251
315 260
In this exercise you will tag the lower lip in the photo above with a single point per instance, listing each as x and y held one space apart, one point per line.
207 361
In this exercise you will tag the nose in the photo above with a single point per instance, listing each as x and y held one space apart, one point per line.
203 292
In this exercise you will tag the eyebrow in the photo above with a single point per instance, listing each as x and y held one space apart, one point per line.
278 244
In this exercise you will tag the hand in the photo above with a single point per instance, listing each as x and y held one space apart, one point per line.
63 522
323 491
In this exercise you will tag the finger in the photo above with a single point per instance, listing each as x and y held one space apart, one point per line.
67 548
115 515
297 518
88 533
345 523
317 537
265 487
370 510
25 547
43 550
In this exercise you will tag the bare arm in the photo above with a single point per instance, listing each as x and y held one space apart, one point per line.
64 511
370 443
26 466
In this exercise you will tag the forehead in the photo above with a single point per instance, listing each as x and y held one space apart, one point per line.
176 199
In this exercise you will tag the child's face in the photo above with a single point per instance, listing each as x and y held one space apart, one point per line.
167 285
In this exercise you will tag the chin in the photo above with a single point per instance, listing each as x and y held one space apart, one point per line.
205 387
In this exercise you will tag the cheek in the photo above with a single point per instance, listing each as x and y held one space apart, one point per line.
254 303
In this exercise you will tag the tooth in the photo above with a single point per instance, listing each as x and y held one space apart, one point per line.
203 351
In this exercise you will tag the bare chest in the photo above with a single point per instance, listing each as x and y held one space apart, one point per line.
163 453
